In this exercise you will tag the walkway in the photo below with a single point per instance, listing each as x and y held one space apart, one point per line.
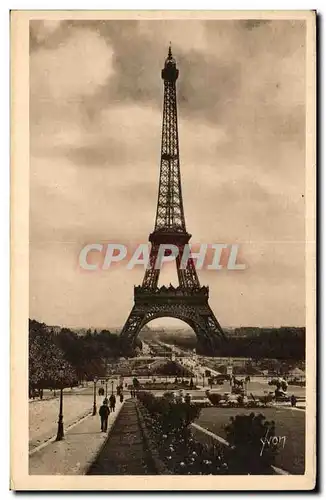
43 415
125 451
76 452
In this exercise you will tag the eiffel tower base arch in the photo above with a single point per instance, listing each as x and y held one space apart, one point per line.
189 306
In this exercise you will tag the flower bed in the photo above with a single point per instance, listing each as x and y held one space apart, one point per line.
161 386
168 424
224 401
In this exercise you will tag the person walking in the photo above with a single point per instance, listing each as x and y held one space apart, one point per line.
293 400
104 413
121 397
112 402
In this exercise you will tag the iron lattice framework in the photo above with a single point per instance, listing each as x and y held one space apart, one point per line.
188 301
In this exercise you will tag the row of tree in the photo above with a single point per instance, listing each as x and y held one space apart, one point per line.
276 343
66 358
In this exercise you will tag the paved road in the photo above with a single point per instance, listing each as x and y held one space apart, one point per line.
257 385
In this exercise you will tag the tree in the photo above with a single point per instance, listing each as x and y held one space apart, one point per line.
46 359
83 356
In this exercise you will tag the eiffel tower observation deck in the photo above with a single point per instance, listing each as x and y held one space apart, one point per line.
188 301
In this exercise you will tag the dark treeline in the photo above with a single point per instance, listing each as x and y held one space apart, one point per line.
276 343
80 357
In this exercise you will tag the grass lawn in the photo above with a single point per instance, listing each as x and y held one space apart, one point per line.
289 423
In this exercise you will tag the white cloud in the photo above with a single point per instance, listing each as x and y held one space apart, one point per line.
80 64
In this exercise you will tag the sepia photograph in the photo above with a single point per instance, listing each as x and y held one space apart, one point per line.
163 250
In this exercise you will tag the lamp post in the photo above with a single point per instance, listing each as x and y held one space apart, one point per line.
106 387
94 404
60 433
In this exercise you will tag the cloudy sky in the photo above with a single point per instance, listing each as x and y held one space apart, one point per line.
95 130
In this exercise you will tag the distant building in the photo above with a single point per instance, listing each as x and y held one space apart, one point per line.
245 331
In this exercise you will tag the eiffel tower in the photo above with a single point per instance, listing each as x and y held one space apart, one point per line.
188 301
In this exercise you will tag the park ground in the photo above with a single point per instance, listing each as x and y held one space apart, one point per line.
84 438
289 423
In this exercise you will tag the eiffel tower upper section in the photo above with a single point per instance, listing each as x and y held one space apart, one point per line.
170 223
170 226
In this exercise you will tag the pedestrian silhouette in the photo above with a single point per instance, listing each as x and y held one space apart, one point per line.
104 413
112 402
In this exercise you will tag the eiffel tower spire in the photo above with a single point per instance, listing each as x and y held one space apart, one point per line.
169 213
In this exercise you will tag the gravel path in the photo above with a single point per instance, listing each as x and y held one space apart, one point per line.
75 453
43 415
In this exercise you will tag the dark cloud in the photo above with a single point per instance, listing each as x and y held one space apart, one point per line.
42 38
210 85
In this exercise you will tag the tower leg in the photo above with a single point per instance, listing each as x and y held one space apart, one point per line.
210 334
131 330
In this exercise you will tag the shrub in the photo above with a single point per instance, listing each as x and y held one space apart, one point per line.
171 416
169 395
240 399
214 398
253 404
246 435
